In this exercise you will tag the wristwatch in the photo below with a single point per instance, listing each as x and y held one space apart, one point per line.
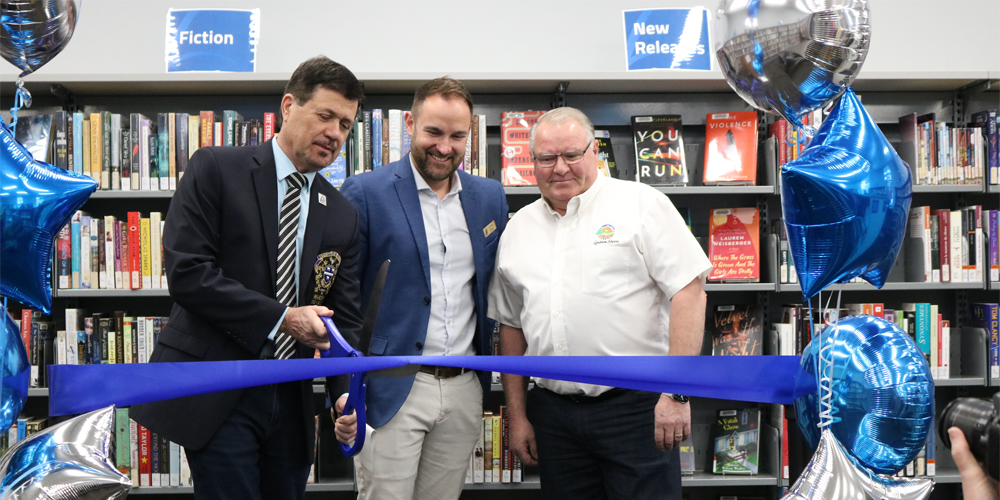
679 398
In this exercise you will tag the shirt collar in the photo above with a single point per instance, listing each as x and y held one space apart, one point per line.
581 201
284 166
456 181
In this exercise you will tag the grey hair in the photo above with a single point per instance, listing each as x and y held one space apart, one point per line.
560 116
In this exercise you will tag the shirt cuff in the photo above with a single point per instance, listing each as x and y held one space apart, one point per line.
274 331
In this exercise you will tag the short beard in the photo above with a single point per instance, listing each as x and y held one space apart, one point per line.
420 162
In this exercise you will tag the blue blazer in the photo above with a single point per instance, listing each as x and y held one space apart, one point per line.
392 227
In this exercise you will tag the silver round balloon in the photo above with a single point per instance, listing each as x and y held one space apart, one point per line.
832 475
72 460
789 57
34 31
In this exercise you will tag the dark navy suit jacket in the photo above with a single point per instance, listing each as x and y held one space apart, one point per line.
392 227
221 244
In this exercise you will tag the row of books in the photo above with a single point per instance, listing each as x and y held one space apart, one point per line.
492 460
95 252
957 245
134 152
99 338
939 154
730 151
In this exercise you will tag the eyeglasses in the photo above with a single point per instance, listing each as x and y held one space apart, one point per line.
571 157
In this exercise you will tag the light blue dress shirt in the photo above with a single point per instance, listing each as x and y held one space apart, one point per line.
285 168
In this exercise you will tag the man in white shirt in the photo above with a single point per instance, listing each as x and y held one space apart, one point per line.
440 227
598 266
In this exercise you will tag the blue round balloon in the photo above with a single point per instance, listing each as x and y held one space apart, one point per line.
845 201
14 373
883 394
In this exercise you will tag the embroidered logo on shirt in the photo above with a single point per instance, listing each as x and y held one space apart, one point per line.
605 234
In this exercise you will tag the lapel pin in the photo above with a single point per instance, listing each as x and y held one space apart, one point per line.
322 199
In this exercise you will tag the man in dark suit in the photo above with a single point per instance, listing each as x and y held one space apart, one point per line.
248 284
440 227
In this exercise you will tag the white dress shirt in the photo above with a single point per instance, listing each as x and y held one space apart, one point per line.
452 323
597 281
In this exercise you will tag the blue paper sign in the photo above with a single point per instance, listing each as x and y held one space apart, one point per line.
667 39
212 40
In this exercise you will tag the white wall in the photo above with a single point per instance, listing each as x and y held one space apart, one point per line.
393 37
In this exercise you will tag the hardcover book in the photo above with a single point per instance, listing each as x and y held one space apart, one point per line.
517 167
731 148
734 244
736 441
738 330
659 150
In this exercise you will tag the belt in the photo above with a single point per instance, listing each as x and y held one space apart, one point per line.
443 371
583 399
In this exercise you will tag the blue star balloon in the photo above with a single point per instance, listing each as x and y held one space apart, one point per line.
36 201
845 201
14 372
883 394
72 460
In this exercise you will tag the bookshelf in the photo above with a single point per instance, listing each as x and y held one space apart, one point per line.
610 99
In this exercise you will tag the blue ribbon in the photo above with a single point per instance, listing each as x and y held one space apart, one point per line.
766 379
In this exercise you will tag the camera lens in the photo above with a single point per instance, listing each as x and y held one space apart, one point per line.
975 417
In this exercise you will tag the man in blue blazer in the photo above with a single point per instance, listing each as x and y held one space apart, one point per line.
440 228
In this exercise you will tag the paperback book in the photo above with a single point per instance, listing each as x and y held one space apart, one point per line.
659 150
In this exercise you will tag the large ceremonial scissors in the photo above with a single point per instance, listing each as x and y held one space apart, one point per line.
339 348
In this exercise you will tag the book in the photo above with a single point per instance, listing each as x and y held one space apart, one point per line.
659 150
731 148
516 164
986 120
336 173
734 244
987 317
738 330
605 154
687 456
736 440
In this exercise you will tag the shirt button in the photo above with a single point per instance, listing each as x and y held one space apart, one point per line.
419 346
427 300
556 314
560 347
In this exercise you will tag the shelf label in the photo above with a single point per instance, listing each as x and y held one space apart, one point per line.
667 39
212 40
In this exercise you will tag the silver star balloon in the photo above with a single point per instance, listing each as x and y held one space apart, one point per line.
832 475
72 460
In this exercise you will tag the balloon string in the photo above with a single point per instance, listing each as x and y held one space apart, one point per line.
827 411
22 99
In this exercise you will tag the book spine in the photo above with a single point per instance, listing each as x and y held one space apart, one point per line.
77 143
207 128
173 149
135 156
944 244
994 242
155 257
164 150
488 447
134 447
269 120
497 450
123 251
135 249
60 142
123 454
108 238
182 149
194 135
106 151
147 277
154 459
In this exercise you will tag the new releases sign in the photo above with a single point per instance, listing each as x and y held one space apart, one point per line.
667 39
212 40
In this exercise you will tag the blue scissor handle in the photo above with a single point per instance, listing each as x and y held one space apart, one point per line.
339 348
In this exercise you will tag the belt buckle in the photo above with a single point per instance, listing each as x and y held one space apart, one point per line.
437 372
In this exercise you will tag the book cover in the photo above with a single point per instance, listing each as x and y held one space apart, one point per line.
736 440
605 154
687 456
336 173
731 148
987 317
659 150
738 330
734 244
516 164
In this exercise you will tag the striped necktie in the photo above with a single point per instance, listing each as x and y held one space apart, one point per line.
288 226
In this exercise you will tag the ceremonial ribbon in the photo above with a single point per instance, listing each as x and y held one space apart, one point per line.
766 379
